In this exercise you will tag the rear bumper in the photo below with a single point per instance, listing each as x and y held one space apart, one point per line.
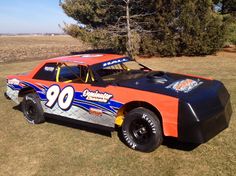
6 96
12 94
198 124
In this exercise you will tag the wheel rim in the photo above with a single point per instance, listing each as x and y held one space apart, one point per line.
31 110
141 131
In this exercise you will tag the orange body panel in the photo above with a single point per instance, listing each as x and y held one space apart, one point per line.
166 105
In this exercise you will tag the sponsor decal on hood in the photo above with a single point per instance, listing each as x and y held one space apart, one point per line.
185 85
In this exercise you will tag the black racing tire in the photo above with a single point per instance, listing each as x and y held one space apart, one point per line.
142 130
32 109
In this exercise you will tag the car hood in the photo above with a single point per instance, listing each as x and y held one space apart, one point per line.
171 84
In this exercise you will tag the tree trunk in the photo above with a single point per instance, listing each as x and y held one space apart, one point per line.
129 43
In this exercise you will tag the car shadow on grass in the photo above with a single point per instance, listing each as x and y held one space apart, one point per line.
173 143
71 123
97 129
169 142
84 126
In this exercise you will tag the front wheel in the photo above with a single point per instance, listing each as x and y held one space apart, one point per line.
32 109
142 130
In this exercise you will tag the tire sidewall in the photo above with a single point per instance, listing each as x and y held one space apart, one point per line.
33 98
152 121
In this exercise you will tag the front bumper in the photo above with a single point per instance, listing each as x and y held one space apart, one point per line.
200 121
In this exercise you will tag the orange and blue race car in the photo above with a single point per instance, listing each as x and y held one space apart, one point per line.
116 91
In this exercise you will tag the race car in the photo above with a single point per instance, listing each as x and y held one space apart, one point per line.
117 92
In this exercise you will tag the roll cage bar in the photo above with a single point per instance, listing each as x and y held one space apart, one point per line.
91 74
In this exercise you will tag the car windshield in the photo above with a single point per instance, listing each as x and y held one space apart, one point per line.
122 71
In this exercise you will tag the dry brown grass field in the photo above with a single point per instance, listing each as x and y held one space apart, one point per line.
58 149
18 48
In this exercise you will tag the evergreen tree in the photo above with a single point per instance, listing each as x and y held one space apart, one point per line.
114 23
150 27
185 27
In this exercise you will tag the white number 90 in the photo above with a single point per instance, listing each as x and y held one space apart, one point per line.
64 98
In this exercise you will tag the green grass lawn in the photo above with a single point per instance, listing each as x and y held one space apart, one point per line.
52 149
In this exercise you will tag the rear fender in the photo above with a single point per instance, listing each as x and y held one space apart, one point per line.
13 94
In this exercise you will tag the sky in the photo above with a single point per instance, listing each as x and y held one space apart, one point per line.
32 16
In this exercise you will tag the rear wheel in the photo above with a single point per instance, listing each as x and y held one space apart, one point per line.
142 130
32 109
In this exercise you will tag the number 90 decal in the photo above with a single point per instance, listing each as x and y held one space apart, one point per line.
64 98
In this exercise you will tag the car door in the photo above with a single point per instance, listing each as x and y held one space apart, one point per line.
74 95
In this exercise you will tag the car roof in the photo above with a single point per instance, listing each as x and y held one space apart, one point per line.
86 59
